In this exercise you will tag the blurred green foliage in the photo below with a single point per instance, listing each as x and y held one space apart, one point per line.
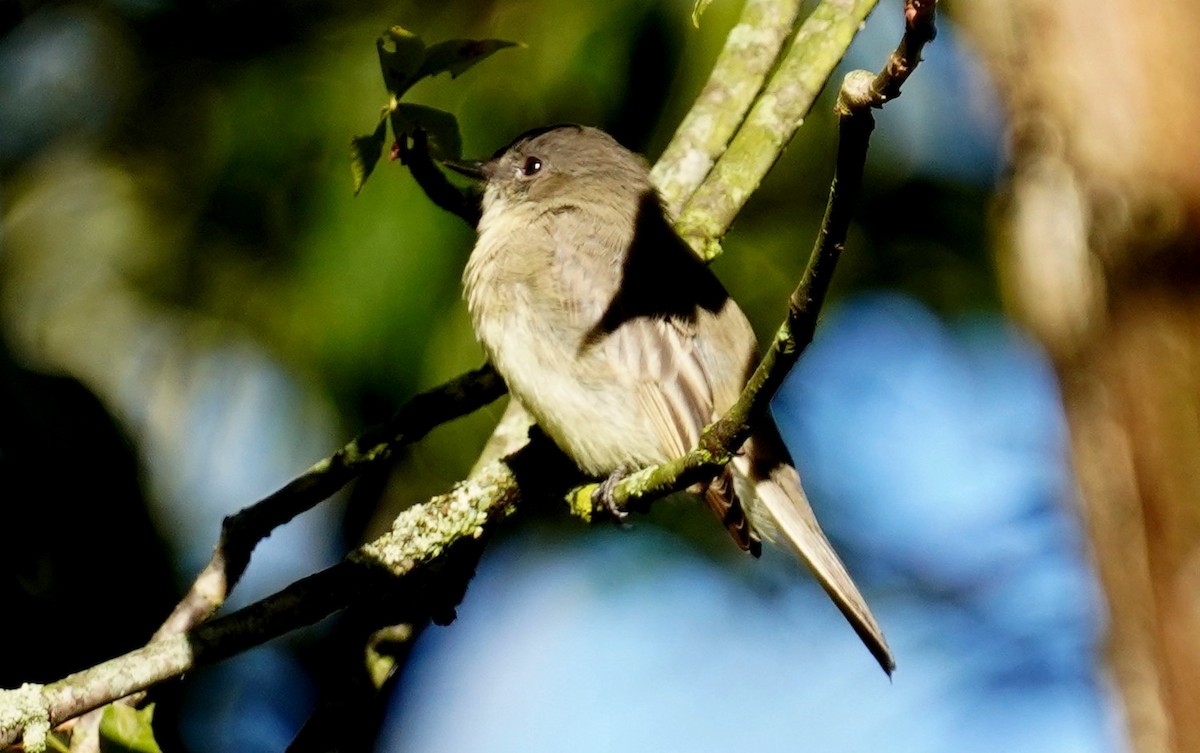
124 729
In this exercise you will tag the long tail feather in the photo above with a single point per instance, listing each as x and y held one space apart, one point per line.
779 503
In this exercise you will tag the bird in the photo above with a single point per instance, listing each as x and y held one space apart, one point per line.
622 343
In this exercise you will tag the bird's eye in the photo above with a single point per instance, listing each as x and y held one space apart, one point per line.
531 167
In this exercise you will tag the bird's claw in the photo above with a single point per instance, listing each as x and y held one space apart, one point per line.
603 498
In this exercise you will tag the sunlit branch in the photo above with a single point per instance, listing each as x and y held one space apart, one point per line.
750 51
778 111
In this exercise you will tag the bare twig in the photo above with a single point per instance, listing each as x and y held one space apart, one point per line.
919 30
242 531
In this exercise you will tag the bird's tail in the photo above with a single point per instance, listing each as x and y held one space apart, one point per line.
768 489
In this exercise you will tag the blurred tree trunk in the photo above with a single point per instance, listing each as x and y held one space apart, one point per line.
1099 254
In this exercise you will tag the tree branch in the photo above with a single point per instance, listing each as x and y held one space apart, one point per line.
750 50
817 49
241 532
919 30
409 568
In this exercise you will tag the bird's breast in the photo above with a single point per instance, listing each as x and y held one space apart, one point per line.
536 295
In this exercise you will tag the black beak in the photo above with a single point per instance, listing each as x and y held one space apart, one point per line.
473 169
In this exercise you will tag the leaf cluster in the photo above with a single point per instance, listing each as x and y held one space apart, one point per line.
405 59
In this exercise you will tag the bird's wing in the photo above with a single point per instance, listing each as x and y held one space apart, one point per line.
684 375
638 300
657 359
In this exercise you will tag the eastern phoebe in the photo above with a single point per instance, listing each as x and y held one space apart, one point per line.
621 342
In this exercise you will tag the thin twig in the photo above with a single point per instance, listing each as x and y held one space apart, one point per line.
919 30
242 531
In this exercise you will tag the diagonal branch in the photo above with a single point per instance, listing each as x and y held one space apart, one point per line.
818 47
750 51
444 194
242 531
429 544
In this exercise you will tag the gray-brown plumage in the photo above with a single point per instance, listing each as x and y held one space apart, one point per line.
621 343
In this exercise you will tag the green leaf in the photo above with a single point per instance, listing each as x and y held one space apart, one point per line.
124 729
364 154
457 55
698 10
445 141
400 56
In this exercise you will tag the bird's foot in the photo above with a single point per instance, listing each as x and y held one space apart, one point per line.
603 500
